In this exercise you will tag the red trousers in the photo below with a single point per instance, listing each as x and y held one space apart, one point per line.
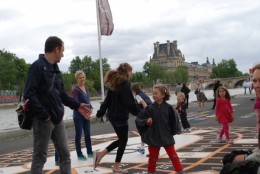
153 157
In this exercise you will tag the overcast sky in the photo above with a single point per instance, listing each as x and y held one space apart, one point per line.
219 29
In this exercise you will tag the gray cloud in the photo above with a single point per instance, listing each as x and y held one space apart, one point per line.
216 29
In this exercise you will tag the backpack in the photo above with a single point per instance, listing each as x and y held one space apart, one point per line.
177 127
228 158
241 167
24 116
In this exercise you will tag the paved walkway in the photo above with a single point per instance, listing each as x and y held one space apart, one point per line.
198 151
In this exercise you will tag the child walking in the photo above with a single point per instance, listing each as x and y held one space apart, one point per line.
181 108
157 124
224 113
142 101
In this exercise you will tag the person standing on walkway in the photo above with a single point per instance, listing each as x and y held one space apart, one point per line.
45 90
119 101
186 91
142 101
217 84
177 88
201 98
181 108
157 125
224 113
81 94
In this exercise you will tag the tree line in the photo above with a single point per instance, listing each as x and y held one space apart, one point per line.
13 72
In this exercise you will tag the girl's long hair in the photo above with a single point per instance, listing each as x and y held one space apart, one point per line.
227 96
115 77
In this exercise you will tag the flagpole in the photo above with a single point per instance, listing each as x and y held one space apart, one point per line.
99 51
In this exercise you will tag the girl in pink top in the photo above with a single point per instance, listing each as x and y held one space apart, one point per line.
224 113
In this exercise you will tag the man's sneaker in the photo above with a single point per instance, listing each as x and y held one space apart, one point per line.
82 157
188 129
57 163
141 150
90 155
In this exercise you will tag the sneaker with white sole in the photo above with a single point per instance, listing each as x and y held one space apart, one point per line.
141 150
220 140
228 141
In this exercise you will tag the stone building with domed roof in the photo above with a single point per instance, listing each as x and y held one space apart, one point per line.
170 57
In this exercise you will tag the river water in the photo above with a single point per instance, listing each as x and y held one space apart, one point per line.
8 117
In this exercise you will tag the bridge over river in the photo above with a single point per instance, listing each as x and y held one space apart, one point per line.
231 82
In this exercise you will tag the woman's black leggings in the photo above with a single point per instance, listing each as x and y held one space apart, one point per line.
121 130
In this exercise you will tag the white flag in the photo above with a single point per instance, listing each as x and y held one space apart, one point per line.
105 18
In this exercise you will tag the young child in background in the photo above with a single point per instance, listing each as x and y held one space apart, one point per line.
224 113
142 101
157 124
181 108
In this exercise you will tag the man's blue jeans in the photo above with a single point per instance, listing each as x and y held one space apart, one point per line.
82 124
43 131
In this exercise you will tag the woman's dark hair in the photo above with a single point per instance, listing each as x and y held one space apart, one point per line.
115 77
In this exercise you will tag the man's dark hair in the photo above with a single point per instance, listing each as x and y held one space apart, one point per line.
51 43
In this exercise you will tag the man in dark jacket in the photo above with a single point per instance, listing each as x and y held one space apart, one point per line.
45 91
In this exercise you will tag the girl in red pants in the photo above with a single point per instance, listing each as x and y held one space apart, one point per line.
224 113
157 124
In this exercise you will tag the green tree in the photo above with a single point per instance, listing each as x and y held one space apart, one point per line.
8 71
95 74
91 69
181 74
141 78
153 71
68 81
22 69
75 65
225 69
170 77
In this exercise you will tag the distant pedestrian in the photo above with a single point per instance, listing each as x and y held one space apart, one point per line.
247 84
119 102
177 88
181 108
217 84
186 91
201 98
224 113
157 125
142 101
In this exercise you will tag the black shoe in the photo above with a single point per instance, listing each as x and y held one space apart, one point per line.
57 163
